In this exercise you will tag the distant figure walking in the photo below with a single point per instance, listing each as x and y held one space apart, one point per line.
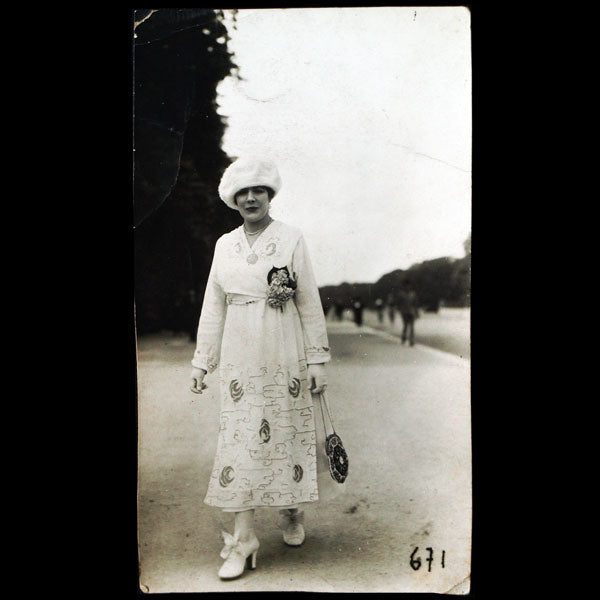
339 310
379 309
408 305
391 303
326 307
357 307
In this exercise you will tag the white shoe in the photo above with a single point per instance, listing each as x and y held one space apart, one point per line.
293 529
238 555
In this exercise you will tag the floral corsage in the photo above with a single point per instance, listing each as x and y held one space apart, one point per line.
282 287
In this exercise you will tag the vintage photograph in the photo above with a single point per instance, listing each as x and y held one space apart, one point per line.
302 269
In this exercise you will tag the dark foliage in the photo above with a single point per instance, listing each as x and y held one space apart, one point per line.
180 57
439 281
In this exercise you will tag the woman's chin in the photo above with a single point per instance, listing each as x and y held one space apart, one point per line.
253 217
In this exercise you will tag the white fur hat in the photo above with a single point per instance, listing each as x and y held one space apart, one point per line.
248 172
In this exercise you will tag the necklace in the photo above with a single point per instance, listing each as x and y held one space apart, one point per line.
257 232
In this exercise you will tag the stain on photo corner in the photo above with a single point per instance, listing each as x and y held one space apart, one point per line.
460 589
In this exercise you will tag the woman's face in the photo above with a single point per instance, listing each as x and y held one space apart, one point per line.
253 203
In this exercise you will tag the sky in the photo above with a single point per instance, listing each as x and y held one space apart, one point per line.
367 114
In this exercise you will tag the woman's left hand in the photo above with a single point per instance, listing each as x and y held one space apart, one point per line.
317 378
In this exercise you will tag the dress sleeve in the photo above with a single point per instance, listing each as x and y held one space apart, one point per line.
308 302
210 327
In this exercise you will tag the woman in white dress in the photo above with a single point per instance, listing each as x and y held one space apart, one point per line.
262 325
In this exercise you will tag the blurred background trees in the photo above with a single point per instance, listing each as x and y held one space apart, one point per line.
439 282
180 56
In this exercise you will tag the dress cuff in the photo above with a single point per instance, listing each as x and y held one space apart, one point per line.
202 361
317 355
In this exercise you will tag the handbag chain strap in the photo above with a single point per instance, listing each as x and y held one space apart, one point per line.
324 401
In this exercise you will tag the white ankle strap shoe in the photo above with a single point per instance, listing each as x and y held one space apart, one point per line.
238 555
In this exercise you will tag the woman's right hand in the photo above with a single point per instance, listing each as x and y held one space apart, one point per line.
198 380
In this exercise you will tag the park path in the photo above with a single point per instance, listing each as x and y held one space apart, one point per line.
404 416
448 330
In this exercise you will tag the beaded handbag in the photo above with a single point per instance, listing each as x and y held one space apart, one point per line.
336 453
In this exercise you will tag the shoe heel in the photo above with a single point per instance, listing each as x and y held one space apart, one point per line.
251 561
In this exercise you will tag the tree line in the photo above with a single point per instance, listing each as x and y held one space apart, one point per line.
180 56
442 281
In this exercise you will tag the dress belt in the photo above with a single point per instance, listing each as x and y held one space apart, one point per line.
242 299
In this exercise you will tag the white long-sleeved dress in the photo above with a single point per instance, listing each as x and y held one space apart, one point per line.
266 450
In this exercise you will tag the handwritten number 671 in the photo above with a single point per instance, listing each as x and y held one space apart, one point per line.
415 561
